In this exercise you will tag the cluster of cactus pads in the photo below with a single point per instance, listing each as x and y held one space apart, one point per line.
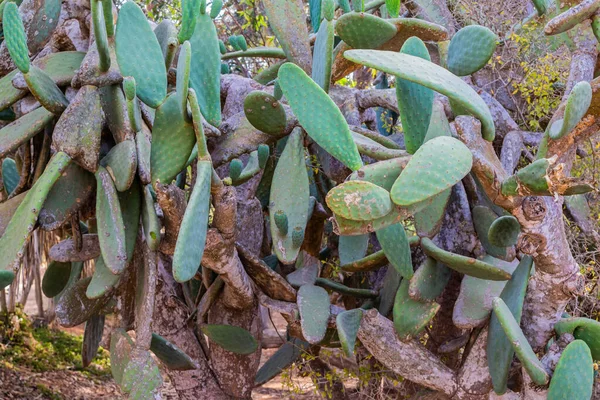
126 130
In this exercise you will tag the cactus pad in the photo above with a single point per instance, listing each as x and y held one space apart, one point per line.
382 173
438 165
429 280
348 323
14 34
359 201
394 242
318 115
285 356
470 49
323 55
504 231
45 91
483 217
352 248
139 54
391 283
573 377
570 18
313 304
103 280
56 278
428 221
411 316
585 329
364 31
150 220
170 355
265 112
18 132
578 102
92 336
231 338
192 234
425 73
189 14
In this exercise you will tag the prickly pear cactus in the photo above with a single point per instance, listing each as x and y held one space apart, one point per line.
196 178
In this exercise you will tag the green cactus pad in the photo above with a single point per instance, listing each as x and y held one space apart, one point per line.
14 35
429 280
183 74
74 308
92 336
359 201
265 113
23 221
288 22
352 248
103 280
345 226
121 164
10 175
45 91
166 34
504 231
143 147
61 67
573 377
438 165
348 323
391 283
189 14
55 278
192 234
172 141
231 338
470 49
474 303
100 34
141 377
314 7
111 230
465 265
570 18
8 93
139 54
121 346
170 355
205 73
318 115
535 369
323 55
499 347
215 8
130 202
285 356
394 242
9 207
393 7
415 101
411 316
373 149
290 194
428 221
483 217
150 220
306 274
382 173
425 73
79 129
18 132
364 31
313 304
585 329
578 103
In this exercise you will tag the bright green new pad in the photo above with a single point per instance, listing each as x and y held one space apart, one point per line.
578 103
265 112
474 303
465 265
170 355
173 139
18 132
573 378
55 278
318 115
111 230
499 347
102 281
394 242
359 201
411 316
425 73
231 338
189 14
323 55
192 233
205 73
393 7
288 22
585 329
415 101
23 221
470 49
504 231
289 194
45 91
519 342
14 35
313 304
364 31
438 165
348 323
139 54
